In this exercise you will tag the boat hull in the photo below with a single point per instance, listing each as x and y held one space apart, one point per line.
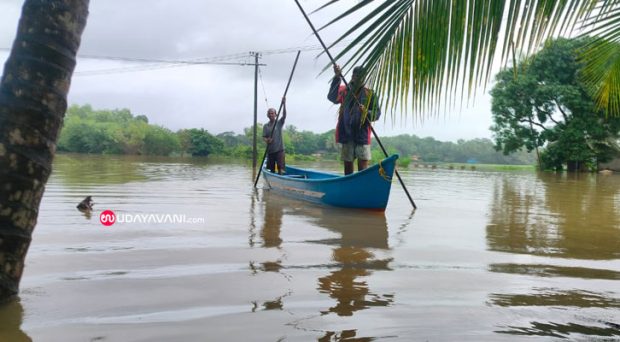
367 189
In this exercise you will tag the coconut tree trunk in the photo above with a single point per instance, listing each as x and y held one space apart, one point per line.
33 101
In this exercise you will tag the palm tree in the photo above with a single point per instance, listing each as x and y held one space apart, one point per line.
425 54
33 101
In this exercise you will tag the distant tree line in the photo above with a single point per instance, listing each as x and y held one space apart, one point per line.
429 150
118 131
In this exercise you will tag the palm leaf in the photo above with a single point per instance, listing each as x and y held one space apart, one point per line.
601 58
601 74
420 53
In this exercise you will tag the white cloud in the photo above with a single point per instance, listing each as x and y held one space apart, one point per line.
220 97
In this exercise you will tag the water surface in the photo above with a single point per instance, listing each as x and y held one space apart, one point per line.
488 256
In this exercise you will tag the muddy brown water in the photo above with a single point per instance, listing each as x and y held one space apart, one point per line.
487 256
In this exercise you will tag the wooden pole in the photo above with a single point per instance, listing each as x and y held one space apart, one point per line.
356 100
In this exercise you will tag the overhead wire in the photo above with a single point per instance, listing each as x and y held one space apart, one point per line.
160 63
260 77
157 64
149 67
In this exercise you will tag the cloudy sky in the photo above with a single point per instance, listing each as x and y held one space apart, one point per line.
221 97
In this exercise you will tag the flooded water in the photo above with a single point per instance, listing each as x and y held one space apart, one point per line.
487 256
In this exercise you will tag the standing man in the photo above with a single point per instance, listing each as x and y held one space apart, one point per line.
358 107
272 135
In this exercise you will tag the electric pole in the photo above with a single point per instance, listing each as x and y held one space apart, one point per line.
254 151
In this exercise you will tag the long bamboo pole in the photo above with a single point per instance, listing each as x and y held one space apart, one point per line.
356 100
260 168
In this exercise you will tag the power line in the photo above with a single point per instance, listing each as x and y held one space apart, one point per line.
291 49
156 64
260 77
200 60
152 67
162 63
238 55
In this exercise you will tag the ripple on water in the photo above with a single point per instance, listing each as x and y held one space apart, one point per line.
492 255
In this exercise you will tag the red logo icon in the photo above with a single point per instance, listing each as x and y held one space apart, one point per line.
107 217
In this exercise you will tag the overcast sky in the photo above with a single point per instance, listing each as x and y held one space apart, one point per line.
221 97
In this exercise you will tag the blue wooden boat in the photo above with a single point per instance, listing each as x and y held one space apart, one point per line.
367 189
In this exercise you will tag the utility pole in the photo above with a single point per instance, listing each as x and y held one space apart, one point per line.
254 151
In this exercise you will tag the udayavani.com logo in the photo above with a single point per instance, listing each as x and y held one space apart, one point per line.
109 217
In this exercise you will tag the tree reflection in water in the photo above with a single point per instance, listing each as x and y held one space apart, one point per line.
11 316
558 215
565 217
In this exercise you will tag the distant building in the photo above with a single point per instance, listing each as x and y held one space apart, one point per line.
612 165
472 161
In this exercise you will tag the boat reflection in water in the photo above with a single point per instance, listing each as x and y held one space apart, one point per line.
362 233
359 247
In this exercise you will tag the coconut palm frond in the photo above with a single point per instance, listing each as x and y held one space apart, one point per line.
605 23
601 74
420 53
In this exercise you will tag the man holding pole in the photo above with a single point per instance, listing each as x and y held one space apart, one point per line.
358 107
272 135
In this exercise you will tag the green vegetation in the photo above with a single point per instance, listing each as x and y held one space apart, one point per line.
428 150
545 103
199 143
119 132
490 167
113 132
